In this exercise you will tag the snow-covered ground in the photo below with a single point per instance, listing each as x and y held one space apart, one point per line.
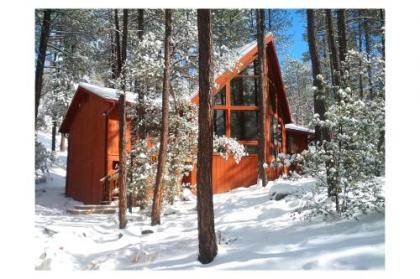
254 232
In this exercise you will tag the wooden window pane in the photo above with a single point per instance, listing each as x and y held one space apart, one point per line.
244 89
219 122
252 69
220 97
244 92
244 125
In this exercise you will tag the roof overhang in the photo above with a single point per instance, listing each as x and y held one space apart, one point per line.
247 54
291 127
109 95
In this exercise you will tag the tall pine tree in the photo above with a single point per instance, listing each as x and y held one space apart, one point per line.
164 132
122 178
262 92
40 61
207 247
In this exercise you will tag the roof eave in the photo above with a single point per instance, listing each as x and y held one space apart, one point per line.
223 78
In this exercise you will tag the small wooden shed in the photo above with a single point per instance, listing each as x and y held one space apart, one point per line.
92 123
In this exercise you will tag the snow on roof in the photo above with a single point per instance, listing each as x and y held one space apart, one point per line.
108 93
237 54
246 48
292 126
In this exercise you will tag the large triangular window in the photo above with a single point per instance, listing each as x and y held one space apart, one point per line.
236 108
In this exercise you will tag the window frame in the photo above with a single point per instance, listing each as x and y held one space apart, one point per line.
228 107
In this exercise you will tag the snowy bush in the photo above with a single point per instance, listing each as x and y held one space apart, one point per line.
43 160
226 147
183 136
293 161
362 198
354 154
142 166
181 155
347 164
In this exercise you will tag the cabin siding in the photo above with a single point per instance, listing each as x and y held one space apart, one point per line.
113 137
87 150
227 174
297 141
92 146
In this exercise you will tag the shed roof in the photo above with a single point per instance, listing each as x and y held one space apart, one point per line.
108 94
298 128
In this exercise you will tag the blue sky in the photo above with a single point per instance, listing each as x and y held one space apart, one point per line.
297 30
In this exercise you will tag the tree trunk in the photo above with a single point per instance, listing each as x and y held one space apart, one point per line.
53 135
122 187
319 101
140 24
117 44
360 44
207 246
113 60
164 133
62 142
40 61
124 39
342 41
122 191
366 31
262 91
321 134
137 83
269 18
382 17
333 49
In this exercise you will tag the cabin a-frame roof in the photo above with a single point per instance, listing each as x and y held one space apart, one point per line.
247 54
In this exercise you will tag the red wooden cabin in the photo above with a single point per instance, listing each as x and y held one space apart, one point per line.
92 125
236 114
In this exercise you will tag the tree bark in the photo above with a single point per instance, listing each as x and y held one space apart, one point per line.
262 93
333 49
137 83
366 31
321 134
319 100
342 33
207 245
62 142
40 61
164 134
382 17
124 39
122 187
269 11
53 135
113 60
122 191
117 44
140 24
360 44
